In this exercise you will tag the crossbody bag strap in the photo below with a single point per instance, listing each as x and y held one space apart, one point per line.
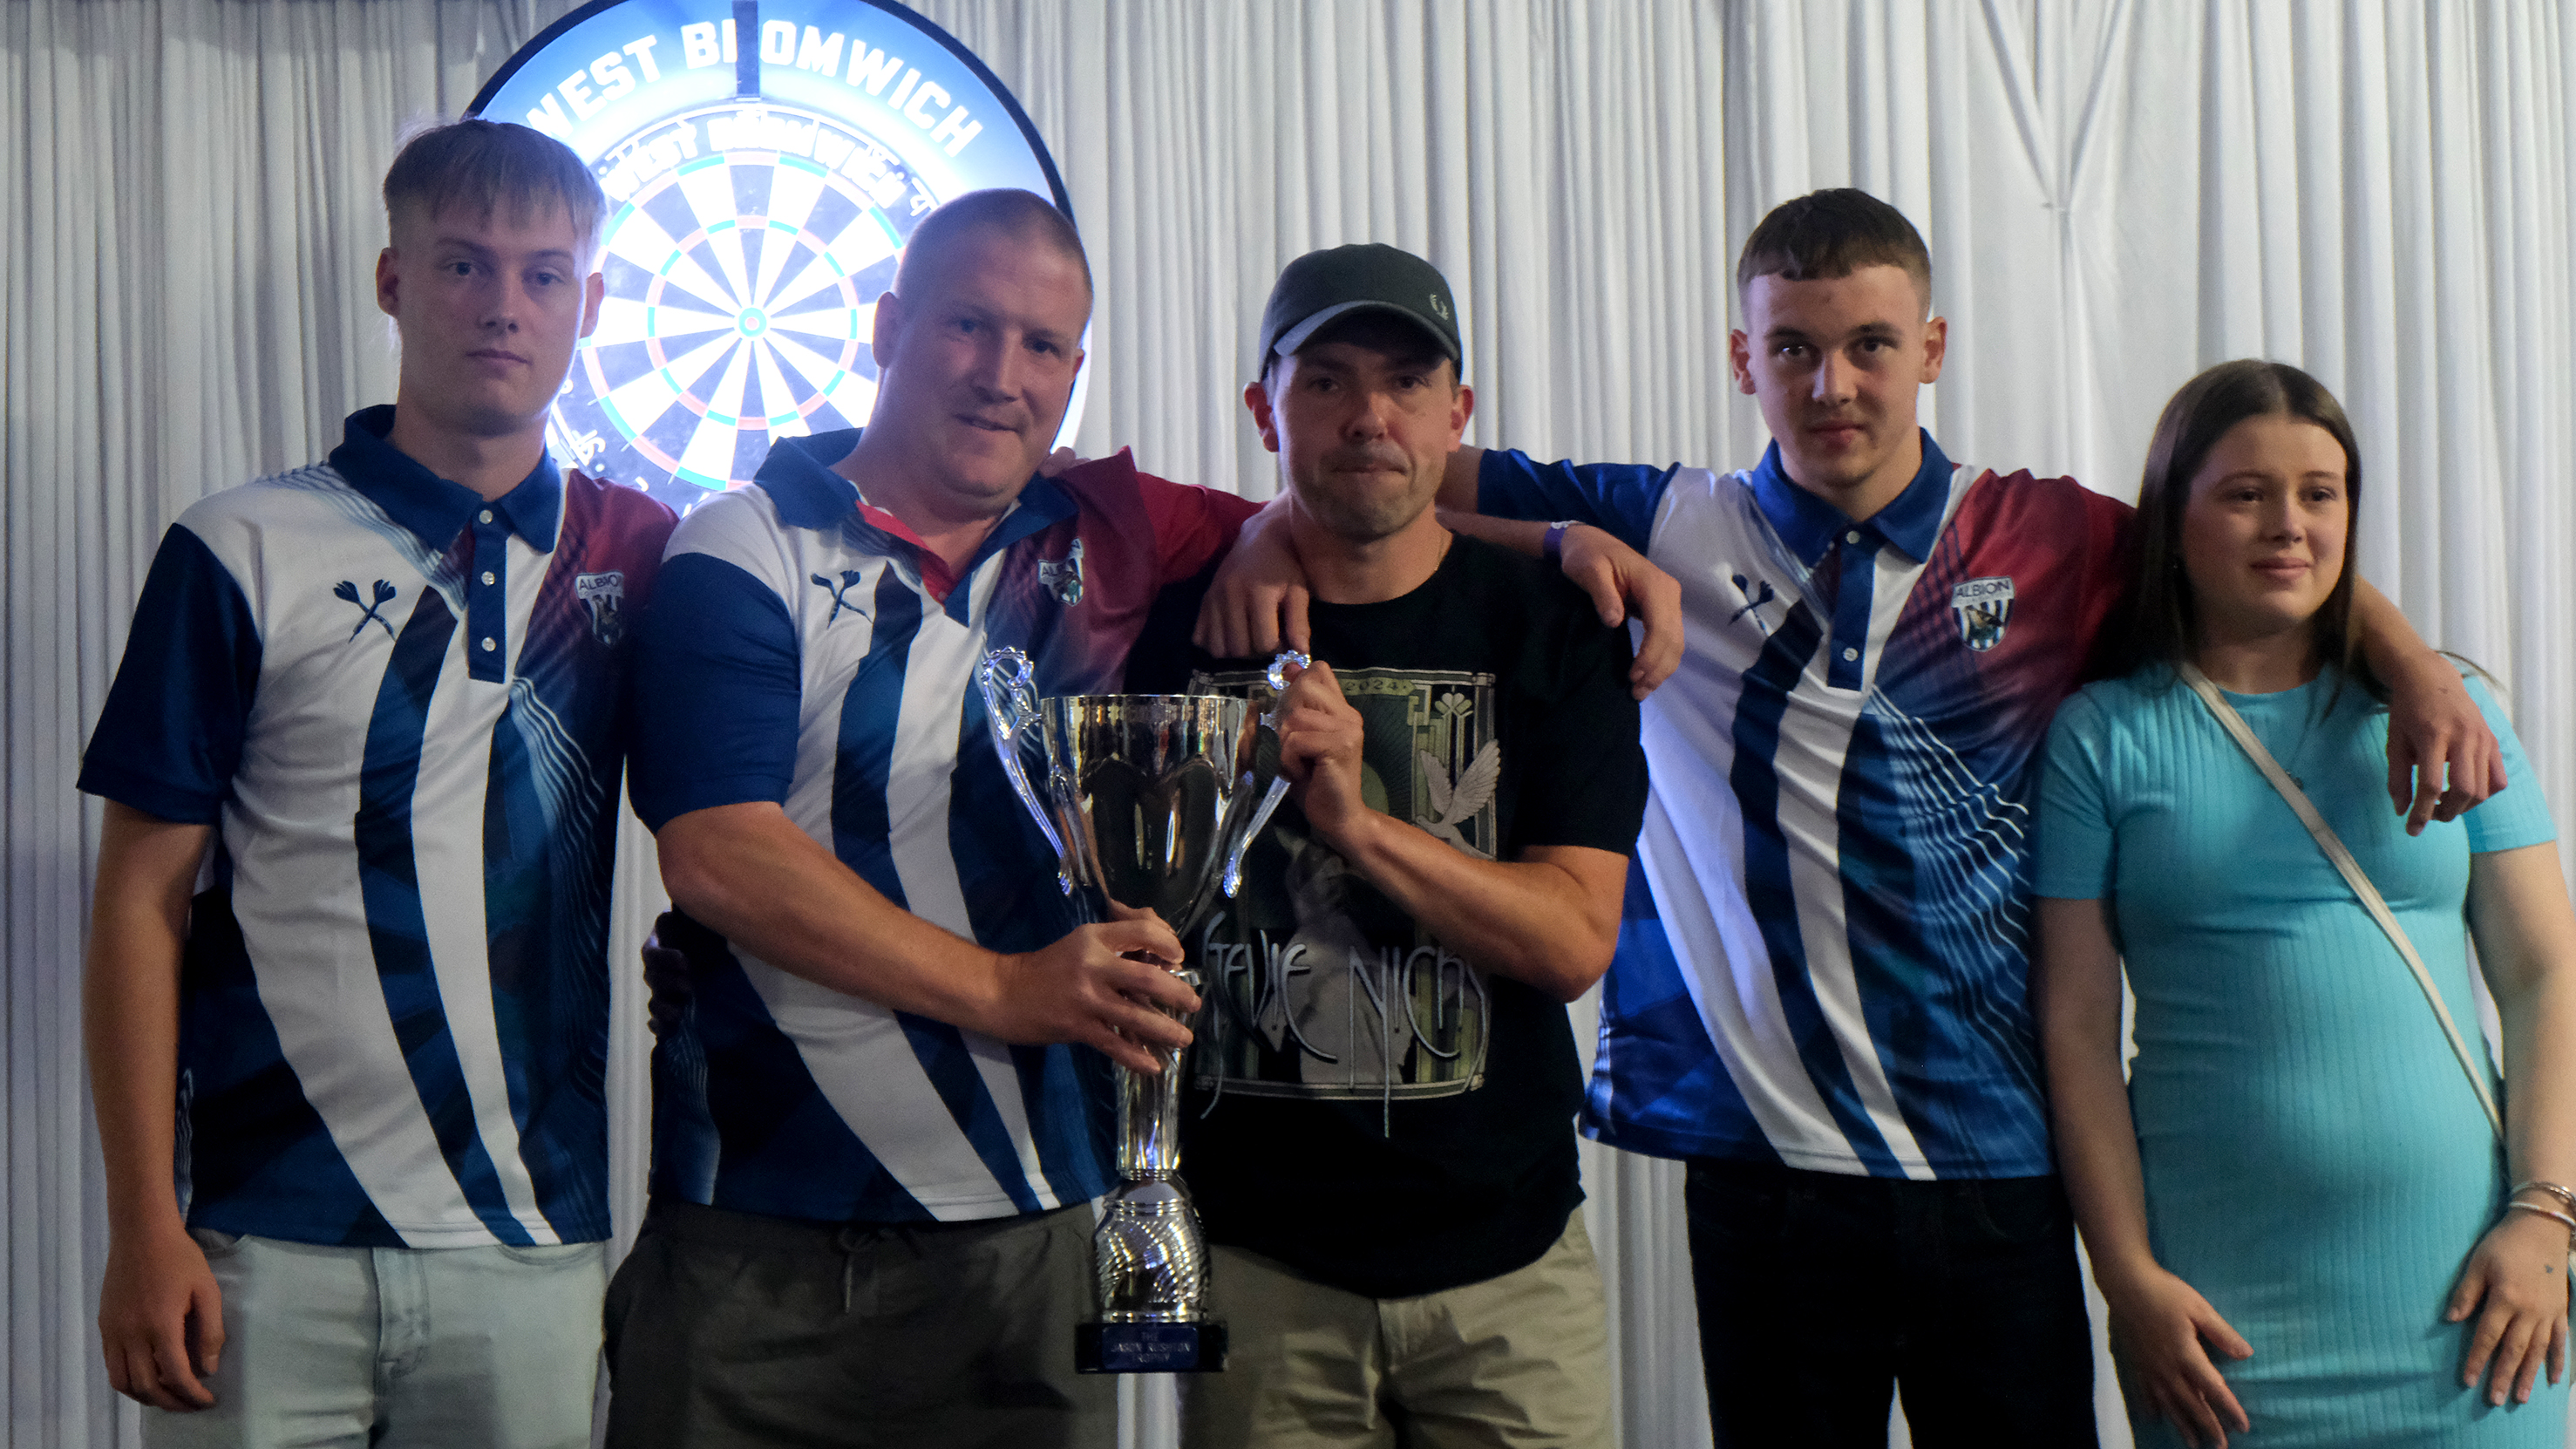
2327 841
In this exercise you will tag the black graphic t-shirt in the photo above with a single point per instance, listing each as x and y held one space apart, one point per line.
1366 1106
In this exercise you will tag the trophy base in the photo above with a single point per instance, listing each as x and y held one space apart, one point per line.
1149 1348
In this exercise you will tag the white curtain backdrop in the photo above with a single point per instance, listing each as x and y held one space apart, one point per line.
2116 193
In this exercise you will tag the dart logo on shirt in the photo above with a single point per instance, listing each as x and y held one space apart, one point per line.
385 593
1753 602
840 592
1983 607
1321 986
602 595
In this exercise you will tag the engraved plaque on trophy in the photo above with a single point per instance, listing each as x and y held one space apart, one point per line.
1148 800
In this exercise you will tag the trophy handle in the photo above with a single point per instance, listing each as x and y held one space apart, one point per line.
1270 799
1009 683
1277 678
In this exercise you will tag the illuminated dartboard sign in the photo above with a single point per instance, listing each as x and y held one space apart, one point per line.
765 164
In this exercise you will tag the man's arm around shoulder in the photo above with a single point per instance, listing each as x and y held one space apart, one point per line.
1258 601
1606 564
2442 757
1192 525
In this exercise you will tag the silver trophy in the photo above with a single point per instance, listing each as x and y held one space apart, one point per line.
1148 801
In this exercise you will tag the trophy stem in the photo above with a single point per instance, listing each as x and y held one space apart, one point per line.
1149 1115
1141 799
1149 1263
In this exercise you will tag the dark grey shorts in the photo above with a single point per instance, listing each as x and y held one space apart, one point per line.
731 1328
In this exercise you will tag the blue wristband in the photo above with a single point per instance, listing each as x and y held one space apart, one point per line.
1552 547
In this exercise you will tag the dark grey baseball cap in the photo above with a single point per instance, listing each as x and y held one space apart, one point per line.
1367 276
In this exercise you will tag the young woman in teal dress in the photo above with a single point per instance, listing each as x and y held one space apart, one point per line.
2297 1209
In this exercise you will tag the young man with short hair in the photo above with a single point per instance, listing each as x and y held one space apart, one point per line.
348 960
1821 997
1381 1138
880 1110
1819 1000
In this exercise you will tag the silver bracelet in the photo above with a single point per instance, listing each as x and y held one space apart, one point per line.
2546 1212
2566 1196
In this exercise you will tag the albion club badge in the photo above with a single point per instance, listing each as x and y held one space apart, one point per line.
1063 577
1983 607
603 595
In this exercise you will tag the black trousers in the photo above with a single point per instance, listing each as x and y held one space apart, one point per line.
1819 1292
729 1328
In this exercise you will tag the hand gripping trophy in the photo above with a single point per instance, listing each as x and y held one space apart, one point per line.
1148 800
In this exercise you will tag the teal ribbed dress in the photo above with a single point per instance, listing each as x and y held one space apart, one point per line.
2316 1164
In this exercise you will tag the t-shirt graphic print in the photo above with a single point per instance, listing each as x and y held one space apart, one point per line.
1362 1105
1322 987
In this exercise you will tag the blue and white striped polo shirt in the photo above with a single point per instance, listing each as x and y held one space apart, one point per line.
1824 959
401 706
805 650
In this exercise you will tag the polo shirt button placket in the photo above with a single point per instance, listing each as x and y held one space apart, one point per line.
487 604
1854 592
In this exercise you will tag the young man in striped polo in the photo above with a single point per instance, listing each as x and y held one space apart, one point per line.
1820 1001
876 1137
348 964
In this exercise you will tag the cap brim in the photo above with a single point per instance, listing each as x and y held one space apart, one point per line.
1296 337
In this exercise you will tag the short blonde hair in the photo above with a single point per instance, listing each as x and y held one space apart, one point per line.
487 166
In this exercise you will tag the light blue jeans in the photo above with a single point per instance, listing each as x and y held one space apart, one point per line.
396 1347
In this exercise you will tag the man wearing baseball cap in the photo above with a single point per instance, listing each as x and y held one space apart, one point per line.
1321 288
1381 1134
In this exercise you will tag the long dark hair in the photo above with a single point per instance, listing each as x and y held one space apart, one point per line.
2163 625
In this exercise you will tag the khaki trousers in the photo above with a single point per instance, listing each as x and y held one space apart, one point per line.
1516 1360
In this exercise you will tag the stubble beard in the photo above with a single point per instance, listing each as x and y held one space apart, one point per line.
1366 516
1364 520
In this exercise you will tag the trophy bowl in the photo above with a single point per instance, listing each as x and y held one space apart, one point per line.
1146 796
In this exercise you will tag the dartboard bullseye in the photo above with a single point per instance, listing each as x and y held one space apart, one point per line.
764 165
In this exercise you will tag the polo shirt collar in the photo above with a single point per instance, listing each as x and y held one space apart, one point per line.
807 494
434 509
1809 525
800 482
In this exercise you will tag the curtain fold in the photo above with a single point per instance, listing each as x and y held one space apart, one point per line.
2116 194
